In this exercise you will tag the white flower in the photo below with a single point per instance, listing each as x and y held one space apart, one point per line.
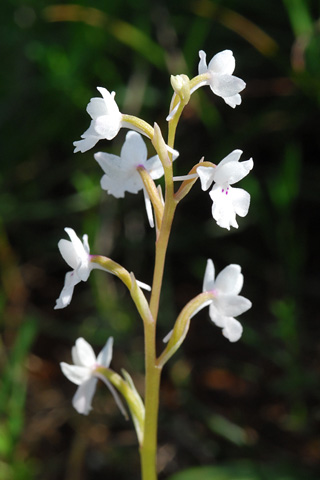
121 174
77 256
227 201
106 121
227 303
221 80
82 373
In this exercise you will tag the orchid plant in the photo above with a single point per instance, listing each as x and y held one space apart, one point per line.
132 172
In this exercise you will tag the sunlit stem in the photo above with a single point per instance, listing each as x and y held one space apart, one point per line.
138 124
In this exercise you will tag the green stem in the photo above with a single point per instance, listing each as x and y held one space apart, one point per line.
148 449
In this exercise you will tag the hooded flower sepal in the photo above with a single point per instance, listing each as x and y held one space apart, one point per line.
126 387
182 324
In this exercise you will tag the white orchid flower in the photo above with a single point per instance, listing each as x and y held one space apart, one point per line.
121 173
221 81
106 121
82 373
77 256
227 201
227 303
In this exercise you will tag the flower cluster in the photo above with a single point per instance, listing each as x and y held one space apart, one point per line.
132 171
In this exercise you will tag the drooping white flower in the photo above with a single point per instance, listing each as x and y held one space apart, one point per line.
121 174
106 121
82 373
221 80
227 303
227 201
77 256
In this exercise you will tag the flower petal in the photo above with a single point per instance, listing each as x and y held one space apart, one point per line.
83 397
83 353
226 85
96 108
148 206
108 126
232 305
154 166
202 68
206 175
71 279
223 63
240 200
134 150
231 172
208 281
233 101
229 280
105 356
232 330
68 253
75 373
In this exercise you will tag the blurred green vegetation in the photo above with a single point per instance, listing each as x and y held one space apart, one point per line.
247 410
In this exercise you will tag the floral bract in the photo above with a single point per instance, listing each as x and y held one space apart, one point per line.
106 121
221 80
227 201
227 303
82 373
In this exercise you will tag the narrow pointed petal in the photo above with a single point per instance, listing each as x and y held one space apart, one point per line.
148 206
105 356
202 68
75 373
82 399
85 354
232 330
208 281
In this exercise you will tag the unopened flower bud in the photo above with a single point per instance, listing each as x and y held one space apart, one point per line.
181 85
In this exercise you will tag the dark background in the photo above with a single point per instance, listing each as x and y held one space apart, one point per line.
250 408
